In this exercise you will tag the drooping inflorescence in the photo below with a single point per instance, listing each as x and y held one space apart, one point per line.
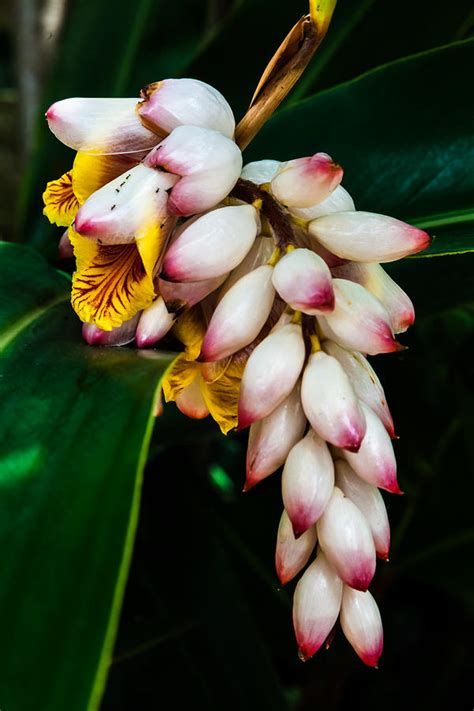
273 283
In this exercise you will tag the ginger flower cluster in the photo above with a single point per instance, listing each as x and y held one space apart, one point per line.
272 281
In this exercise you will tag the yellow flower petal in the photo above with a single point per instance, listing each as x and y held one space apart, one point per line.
60 202
221 394
190 329
111 282
178 376
91 172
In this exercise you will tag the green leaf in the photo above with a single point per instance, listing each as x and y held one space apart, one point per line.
76 423
403 133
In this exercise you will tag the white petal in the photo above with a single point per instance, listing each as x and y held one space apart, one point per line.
362 625
127 207
292 554
185 102
369 501
100 125
211 245
307 482
259 255
346 539
368 237
316 605
271 439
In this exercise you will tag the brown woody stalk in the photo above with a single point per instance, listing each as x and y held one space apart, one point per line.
285 68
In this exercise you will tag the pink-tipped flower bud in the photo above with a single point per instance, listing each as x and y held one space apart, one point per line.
316 605
171 103
120 336
362 625
128 207
211 245
359 321
369 501
376 280
271 373
304 281
260 171
271 439
375 461
338 201
307 482
367 237
100 125
240 315
209 165
155 322
65 248
306 181
182 295
191 402
364 380
292 554
346 539
330 403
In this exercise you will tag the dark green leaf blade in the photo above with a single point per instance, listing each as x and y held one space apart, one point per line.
403 133
76 423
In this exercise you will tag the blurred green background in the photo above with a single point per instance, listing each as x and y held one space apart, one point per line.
204 624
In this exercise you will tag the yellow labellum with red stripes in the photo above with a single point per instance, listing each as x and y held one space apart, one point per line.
113 282
219 382
60 202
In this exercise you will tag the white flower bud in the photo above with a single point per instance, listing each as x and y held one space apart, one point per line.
127 207
330 403
368 499
304 281
155 322
271 439
307 482
306 181
359 321
362 625
364 380
208 162
211 245
240 315
338 201
260 171
100 125
368 237
375 461
292 554
376 280
185 102
346 539
316 605
271 373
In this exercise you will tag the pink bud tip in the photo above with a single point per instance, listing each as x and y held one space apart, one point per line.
383 555
371 659
50 115
305 654
245 419
84 226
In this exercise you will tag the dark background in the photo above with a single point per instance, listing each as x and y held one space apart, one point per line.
204 624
